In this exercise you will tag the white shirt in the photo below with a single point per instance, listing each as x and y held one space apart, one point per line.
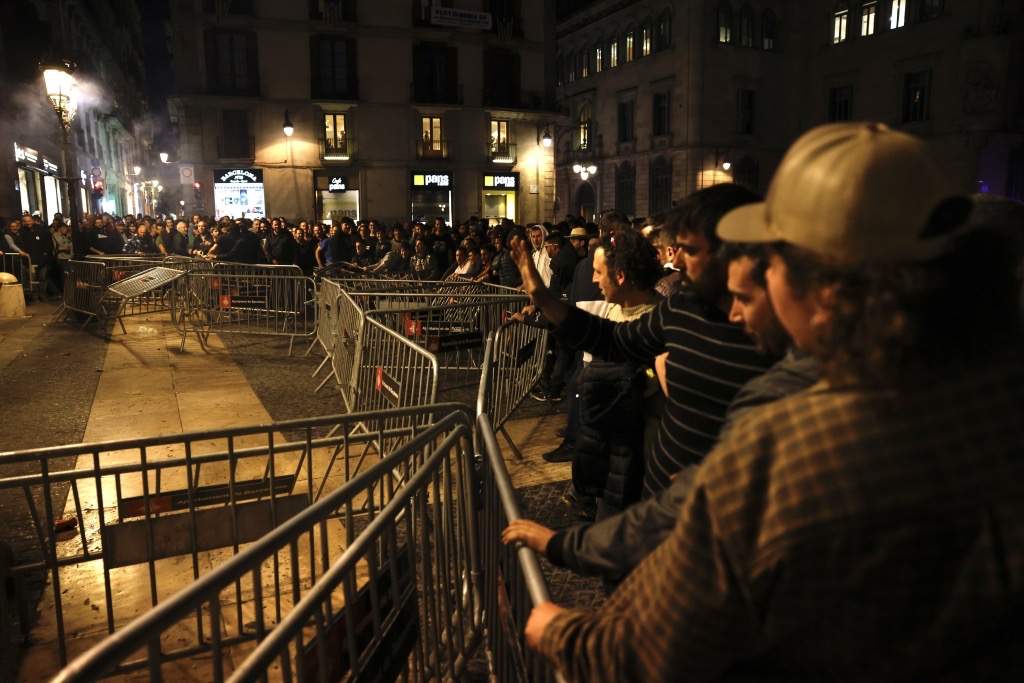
543 263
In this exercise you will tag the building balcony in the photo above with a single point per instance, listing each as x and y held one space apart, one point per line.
339 149
502 152
236 148
432 149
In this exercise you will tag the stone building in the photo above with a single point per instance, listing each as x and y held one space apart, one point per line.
669 96
397 109
110 133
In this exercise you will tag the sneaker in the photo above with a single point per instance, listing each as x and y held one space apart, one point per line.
539 395
553 397
561 454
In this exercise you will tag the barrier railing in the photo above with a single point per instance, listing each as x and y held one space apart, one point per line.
514 360
512 580
327 327
145 517
348 341
20 266
392 372
252 303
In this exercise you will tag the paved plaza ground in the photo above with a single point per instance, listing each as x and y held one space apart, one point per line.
61 384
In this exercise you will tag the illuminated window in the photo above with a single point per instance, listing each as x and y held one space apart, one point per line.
840 18
432 133
335 137
629 47
898 18
584 64
598 59
613 54
769 30
725 23
583 129
645 41
868 11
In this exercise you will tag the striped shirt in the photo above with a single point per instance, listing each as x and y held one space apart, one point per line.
709 359
841 534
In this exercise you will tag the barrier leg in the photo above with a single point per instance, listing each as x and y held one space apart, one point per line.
512 444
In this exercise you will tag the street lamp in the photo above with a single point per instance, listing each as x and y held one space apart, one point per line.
726 165
136 170
584 172
164 156
288 128
546 140
59 81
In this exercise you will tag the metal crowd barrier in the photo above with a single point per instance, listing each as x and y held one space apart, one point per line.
252 302
512 578
145 517
348 342
327 329
392 372
397 596
20 266
513 362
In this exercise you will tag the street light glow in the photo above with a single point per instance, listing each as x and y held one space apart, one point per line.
59 81
546 140
164 156
288 128
727 165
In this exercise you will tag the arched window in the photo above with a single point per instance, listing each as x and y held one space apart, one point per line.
840 22
663 32
625 188
645 38
598 58
661 185
583 128
746 26
725 23
769 30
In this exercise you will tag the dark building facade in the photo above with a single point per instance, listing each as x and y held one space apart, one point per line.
667 97
399 109
110 133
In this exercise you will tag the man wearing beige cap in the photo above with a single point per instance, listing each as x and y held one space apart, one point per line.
870 528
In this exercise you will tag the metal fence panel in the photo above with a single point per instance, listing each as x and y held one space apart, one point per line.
348 343
144 517
254 303
20 266
325 598
512 580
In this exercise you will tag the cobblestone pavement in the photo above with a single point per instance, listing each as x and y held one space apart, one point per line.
48 378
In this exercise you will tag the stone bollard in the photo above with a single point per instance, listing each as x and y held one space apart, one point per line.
12 297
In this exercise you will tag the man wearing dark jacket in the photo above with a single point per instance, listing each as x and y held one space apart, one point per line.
281 247
179 240
244 248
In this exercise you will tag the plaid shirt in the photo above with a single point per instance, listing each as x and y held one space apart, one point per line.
841 534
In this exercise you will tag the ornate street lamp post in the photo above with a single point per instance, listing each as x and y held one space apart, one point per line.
59 80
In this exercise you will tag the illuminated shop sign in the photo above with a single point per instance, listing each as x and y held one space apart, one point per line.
337 184
507 181
239 193
432 180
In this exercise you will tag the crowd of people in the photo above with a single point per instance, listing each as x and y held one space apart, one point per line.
793 422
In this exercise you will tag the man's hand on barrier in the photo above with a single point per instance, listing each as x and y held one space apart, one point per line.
531 534
539 619
527 313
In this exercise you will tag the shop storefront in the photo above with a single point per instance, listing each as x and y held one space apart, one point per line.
337 197
238 193
500 197
431 193
38 184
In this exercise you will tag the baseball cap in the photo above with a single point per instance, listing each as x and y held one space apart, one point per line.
852 192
